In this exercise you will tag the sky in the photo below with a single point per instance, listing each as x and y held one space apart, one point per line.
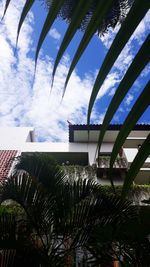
24 103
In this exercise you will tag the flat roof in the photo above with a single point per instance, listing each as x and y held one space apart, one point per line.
85 133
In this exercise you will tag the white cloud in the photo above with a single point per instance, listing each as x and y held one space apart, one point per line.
129 99
112 80
130 49
112 92
139 34
55 34
22 105
97 118
125 58
108 37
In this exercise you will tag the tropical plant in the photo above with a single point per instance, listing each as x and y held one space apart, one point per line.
116 14
96 16
62 218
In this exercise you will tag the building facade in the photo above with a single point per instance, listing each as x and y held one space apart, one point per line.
80 150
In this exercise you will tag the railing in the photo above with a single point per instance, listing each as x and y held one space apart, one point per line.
120 162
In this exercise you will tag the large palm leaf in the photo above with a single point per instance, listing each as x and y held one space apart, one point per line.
116 14
98 14
62 221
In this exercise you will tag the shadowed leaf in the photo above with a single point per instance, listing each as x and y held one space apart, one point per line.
139 160
102 9
78 14
6 6
140 61
137 110
24 13
52 15
135 15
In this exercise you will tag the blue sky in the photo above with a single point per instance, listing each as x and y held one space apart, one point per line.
22 104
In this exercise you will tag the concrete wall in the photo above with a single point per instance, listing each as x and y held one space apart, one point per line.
130 154
22 139
67 147
15 137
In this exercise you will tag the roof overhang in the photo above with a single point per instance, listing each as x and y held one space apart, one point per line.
90 133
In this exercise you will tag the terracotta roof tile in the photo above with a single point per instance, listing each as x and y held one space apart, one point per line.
6 159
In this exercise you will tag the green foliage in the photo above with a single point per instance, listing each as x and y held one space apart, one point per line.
12 209
64 220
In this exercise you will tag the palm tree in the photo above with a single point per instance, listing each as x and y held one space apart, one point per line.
62 219
115 15
96 16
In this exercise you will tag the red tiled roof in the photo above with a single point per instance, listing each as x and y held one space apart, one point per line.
6 159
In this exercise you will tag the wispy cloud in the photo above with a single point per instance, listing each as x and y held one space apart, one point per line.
125 58
129 99
24 105
55 34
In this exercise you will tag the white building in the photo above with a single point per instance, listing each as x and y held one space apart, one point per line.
81 148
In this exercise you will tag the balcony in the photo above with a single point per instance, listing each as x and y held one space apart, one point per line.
120 162
119 168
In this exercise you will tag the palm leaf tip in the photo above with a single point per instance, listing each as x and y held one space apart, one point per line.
97 18
5 8
25 11
51 16
76 19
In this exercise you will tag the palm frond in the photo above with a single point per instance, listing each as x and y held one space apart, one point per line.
92 210
26 9
27 192
139 62
52 15
97 18
136 165
62 223
43 167
137 110
6 7
135 15
74 25
114 16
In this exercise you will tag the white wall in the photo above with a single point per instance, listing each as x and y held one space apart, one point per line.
19 138
130 154
67 147
14 137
